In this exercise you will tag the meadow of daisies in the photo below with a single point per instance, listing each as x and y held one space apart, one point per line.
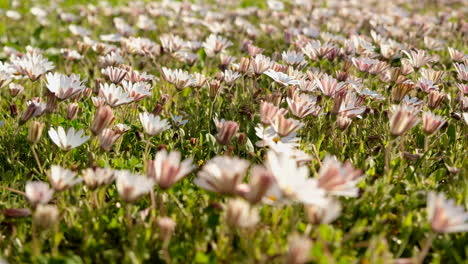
233 131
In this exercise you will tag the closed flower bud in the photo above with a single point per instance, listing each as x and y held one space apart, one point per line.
35 108
51 104
400 90
432 123
402 119
215 87
435 99
72 111
13 110
166 228
244 65
45 216
226 131
35 131
261 180
157 109
240 214
298 250
269 111
87 92
102 119
242 138
107 138
343 122
194 141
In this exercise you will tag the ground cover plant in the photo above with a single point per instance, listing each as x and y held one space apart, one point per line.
233 131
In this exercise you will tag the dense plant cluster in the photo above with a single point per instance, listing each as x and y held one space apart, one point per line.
233 131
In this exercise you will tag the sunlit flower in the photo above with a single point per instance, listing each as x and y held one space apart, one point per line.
281 78
462 70
132 186
215 44
337 178
402 119
303 105
62 179
417 58
114 94
285 126
179 78
114 74
222 174
33 65
293 58
168 168
329 85
69 140
260 63
152 124
292 182
96 177
38 192
325 214
431 122
63 86
138 90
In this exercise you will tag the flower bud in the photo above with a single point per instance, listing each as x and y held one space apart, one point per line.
435 99
45 216
51 105
226 131
244 65
72 111
13 110
107 138
102 119
343 122
240 214
166 228
215 87
400 90
260 182
35 131
432 123
298 249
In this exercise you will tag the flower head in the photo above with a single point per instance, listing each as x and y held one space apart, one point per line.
337 178
281 78
63 86
96 177
292 182
62 179
38 192
402 119
34 65
240 214
115 95
132 186
431 122
69 140
444 215
222 174
168 168
152 124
